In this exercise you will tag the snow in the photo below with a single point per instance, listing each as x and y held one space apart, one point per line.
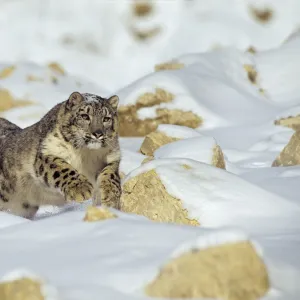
191 87
9 220
272 72
124 260
180 132
199 149
224 70
130 160
42 91
212 239
93 42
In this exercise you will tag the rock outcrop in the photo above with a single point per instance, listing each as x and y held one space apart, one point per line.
290 155
231 271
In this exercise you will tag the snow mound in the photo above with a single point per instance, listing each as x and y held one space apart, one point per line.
202 149
209 195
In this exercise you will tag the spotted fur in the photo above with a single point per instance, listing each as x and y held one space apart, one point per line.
72 153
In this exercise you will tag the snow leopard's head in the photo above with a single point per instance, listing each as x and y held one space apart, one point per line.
90 121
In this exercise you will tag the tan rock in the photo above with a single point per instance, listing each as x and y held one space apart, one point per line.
146 195
98 214
7 101
252 76
290 155
150 99
145 34
264 15
291 122
178 117
147 159
229 272
142 8
21 289
6 72
154 140
172 65
251 50
218 158
56 68
34 78
131 125
252 73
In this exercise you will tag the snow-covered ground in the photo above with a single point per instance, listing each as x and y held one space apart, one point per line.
94 42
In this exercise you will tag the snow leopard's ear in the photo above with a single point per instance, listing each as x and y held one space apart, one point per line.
114 101
74 99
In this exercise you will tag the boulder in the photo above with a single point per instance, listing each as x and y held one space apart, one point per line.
231 271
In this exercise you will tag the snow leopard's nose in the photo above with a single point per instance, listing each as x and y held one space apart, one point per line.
98 134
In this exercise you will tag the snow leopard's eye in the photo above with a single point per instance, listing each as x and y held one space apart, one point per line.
106 119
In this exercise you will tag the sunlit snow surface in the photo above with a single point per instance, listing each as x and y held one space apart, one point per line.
114 259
